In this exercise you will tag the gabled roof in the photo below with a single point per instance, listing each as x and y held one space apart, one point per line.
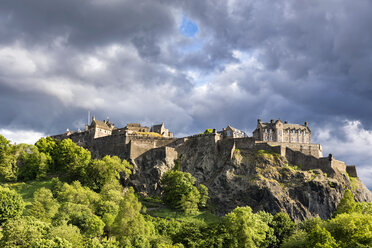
100 124
158 126
233 128
285 126
294 126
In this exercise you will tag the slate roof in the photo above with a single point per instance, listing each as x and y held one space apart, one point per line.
158 126
285 126
100 124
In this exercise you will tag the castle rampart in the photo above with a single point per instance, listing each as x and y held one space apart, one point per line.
134 142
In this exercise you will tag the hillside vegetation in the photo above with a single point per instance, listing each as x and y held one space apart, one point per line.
53 194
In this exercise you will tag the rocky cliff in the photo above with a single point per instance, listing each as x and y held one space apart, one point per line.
238 177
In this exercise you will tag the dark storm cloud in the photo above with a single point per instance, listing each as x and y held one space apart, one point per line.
129 60
85 23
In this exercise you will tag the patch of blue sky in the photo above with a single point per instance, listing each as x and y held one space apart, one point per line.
188 28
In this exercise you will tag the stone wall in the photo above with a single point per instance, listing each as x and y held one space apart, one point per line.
328 165
114 145
314 150
244 143
338 165
140 144
351 170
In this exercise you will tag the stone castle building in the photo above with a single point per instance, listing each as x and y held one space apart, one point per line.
137 143
282 132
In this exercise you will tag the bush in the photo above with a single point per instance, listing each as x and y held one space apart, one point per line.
44 206
11 204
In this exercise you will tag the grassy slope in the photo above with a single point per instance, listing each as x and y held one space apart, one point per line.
27 189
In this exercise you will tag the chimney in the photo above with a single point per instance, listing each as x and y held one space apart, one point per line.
93 118
285 122
306 124
259 121
272 121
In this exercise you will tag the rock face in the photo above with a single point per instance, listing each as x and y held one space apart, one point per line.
260 179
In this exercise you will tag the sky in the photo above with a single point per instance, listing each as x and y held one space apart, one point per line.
191 64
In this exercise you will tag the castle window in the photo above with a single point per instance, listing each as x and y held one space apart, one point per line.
265 130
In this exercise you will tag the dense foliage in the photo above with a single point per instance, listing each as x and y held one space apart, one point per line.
11 204
84 205
180 192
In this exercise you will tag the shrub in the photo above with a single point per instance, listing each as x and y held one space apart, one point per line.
11 204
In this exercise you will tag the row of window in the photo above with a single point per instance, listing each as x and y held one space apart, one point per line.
292 139
288 131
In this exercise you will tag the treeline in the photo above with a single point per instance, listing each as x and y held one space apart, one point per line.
86 206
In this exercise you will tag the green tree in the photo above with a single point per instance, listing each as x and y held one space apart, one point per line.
106 170
44 206
191 234
66 232
298 239
203 191
51 243
112 191
48 147
321 238
11 204
347 204
351 230
76 193
283 227
8 160
92 226
179 191
71 159
364 208
309 224
23 232
129 222
245 228
108 211
32 164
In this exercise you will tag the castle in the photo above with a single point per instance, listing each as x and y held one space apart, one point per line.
134 142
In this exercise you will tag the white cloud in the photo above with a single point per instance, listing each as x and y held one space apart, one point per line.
21 136
355 147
